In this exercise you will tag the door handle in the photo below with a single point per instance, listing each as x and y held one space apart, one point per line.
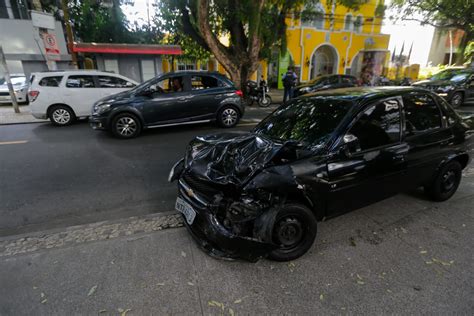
219 96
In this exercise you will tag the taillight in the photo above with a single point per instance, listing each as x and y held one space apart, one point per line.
239 93
33 95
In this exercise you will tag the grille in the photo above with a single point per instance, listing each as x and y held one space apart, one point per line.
4 93
201 186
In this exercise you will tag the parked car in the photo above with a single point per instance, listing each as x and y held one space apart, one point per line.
20 87
64 96
257 194
458 89
171 99
325 82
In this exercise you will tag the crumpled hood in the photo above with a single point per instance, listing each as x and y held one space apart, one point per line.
232 158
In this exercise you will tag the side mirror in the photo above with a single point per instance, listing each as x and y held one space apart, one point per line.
351 145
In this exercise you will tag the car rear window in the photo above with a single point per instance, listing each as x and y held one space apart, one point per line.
50 81
204 82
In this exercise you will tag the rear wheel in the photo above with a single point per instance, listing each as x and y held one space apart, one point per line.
228 117
457 99
446 182
126 125
294 231
61 115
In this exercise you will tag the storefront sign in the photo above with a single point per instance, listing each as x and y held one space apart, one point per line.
42 20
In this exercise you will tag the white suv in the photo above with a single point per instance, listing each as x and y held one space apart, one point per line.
63 96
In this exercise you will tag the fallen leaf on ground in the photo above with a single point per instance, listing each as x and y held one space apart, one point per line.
359 277
92 290
35 287
160 284
238 301
191 283
389 291
216 304
403 230
102 311
42 295
353 243
423 252
321 297
124 312
360 282
231 312
183 254
44 301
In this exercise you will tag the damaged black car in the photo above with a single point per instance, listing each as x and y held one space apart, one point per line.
261 193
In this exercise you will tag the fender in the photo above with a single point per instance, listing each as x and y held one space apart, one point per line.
125 109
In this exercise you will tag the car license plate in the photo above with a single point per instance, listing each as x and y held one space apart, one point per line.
186 209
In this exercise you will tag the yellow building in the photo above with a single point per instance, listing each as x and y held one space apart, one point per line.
336 41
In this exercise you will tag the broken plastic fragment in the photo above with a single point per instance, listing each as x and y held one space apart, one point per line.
92 290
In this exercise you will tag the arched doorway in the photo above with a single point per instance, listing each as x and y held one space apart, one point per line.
356 65
323 61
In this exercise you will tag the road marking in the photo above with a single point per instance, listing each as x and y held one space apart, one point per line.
247 124
14 142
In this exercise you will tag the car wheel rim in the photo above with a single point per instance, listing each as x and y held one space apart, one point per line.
457 99
229 117
449 181
289 232
61 116
126 126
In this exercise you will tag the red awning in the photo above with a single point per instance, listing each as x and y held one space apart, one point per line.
106 48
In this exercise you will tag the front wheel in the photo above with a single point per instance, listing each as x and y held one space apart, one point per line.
228 117
294 231
264 101
457 99
126 125
446 182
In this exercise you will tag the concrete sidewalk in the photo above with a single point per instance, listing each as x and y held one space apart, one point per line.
8 115
405 255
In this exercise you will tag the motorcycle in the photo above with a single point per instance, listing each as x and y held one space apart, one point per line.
254 92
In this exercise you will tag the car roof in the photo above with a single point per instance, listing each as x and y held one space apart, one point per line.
363 93
74 72
194 72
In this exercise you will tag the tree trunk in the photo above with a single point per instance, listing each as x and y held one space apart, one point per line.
460 59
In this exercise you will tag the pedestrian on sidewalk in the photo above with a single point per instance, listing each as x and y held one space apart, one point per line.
289 81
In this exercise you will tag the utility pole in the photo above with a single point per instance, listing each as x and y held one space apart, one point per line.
70 40
9 82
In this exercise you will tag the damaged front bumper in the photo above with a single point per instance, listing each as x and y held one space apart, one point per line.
213 237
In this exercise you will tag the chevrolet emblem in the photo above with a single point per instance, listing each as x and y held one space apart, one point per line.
190 192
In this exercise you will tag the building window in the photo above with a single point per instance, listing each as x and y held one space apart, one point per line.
313 16
204 65
148 69
358 24
186 65
111 65
348 25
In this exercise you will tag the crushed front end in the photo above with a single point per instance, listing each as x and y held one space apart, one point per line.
220 198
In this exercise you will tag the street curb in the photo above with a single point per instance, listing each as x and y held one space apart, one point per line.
73 235
20 123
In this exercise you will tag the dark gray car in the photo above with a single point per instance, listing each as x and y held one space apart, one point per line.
171 99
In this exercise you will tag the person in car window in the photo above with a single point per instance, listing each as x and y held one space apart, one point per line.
176 85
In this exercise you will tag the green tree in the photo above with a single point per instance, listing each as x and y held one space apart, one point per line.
253 28
444 14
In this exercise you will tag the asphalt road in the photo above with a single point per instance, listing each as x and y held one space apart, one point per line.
57 177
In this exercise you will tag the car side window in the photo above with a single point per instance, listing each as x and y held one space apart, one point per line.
203 82
80 81
114 82
332 80
421 113
379 125
168 85
51 81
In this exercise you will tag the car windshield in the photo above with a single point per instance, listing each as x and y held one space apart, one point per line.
310 121
460 77
16 80
316 80
445 75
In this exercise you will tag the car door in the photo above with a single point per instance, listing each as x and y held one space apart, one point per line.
427 135
207 93
167 100
80 92
371 165
110 85
470 89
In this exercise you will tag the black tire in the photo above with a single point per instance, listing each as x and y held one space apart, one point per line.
294 231
446 182
228 116
61 115
126 126
265 102
457 99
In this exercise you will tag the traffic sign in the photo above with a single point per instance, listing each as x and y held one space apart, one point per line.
51 46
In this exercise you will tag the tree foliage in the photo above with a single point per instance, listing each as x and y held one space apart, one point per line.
444 14
253 28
